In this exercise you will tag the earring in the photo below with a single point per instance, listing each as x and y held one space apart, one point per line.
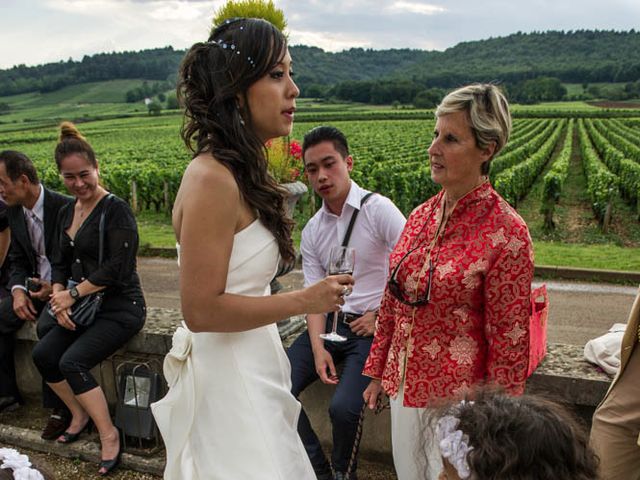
239 114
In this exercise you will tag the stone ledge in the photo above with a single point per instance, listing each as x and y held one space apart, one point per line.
563 373
155 337
83 449
566 376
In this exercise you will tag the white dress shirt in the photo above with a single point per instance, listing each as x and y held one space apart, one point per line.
375 233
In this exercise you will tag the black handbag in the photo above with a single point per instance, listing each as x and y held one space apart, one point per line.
84 311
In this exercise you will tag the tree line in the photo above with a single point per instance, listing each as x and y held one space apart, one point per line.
532 66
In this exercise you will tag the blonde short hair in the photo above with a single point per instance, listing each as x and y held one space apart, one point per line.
487 110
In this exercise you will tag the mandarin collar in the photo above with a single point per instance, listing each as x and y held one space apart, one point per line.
473 196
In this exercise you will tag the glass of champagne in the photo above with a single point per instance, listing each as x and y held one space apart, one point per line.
341 261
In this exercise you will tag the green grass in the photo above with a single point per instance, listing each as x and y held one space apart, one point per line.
112 91
75 102
556 106
52 114
606 256
576 88
155 230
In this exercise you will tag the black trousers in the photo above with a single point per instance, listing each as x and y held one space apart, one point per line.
10 323
63 354
347 401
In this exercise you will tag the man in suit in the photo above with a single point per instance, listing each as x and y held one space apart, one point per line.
31 214
615 431
5 241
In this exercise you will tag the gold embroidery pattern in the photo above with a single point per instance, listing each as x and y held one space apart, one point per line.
475 328
515 246
463 350
462 314
446 269
497 238
432 349
516 333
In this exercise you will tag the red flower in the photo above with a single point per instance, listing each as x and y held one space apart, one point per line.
295 150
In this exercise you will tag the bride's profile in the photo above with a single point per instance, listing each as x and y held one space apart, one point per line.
229 413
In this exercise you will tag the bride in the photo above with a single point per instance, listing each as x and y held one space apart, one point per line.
229 413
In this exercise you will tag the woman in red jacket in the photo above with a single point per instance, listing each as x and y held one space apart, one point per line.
456 308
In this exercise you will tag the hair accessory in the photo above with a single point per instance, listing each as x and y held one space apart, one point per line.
230 46
20 465
454 445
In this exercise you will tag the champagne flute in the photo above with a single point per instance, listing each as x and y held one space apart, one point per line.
341 261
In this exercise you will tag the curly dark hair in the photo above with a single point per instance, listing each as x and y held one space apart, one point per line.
212 76
523 438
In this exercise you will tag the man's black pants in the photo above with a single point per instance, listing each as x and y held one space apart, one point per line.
10 323
347 401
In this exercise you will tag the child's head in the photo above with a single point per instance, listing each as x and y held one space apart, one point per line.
496 437
15 465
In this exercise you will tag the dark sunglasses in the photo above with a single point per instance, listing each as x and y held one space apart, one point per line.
397 291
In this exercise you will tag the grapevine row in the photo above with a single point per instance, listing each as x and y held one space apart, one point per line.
601 183
514 182
554 179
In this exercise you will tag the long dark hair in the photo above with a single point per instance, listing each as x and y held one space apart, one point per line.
212 76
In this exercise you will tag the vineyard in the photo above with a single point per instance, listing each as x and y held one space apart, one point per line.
142 160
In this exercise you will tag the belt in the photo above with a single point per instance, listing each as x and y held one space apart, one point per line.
347 317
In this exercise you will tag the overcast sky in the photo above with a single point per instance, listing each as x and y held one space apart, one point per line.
41 31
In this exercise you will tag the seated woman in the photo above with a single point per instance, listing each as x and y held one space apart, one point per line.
66 352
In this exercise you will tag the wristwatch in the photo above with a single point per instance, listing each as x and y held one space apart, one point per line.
75 294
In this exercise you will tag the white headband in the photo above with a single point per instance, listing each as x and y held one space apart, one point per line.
20 465
454 445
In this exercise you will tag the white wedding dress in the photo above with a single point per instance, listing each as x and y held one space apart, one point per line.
229 413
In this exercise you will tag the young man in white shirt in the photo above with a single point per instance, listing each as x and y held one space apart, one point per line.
375 232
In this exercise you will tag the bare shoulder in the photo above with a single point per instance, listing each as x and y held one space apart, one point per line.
206 186
205 172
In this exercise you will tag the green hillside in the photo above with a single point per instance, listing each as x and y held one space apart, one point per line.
78 102
574 57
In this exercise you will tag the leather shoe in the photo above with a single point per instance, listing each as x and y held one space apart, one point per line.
56 425
8 404
324 476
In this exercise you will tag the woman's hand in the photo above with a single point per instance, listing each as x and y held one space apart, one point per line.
61 301
327 295
64 319
372 393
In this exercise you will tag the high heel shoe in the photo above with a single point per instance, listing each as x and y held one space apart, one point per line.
110 465
68 437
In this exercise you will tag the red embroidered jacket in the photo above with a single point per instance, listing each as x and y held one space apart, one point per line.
475 327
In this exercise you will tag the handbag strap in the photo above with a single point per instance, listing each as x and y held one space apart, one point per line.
354 215
101 229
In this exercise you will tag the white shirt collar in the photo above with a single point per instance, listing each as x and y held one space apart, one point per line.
38 208
353 199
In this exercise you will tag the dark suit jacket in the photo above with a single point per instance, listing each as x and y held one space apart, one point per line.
21 253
